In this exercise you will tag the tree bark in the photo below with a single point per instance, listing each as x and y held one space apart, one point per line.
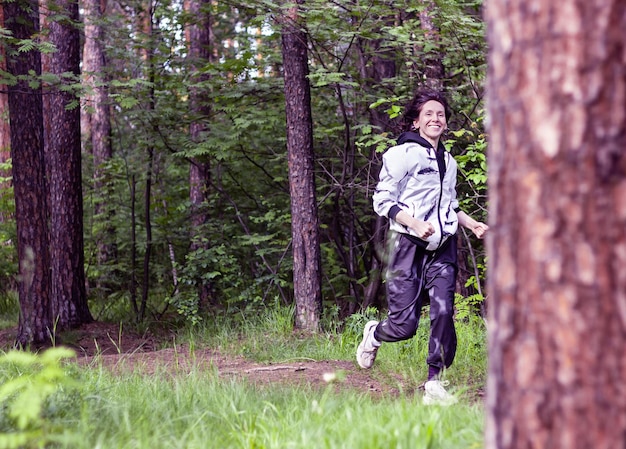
432 61
29 181
62 150
146 18
96 120
304 214
200 39
557 251
5 131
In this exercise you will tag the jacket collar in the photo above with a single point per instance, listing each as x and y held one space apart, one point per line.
411 136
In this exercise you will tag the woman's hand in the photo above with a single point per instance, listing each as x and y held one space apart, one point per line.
480 229
422 229
477 227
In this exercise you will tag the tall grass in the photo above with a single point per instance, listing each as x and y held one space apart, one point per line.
9 309
199 409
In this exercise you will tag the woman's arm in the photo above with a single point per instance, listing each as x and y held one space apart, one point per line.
477 227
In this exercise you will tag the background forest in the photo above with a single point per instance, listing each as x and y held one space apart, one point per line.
186 205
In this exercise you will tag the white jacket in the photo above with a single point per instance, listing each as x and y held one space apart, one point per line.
410 180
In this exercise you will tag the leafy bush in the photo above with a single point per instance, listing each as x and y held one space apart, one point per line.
36 393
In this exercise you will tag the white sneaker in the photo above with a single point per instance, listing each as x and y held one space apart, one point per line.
366 352
435 393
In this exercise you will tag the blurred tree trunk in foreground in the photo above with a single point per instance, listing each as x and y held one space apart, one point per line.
557 250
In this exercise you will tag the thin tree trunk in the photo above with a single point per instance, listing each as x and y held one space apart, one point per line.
304 217
30 190
148 55
344 223
133 246
372 290
557 252
148 224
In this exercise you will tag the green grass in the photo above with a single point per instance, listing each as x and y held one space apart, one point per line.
9 309
201 410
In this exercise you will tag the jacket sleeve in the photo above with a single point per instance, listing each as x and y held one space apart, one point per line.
394 170
454 203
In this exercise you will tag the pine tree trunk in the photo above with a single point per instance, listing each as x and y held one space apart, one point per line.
432 61
304 216
31 208
557 251
63 169
200 40
146 18
5 141
5 129
97 117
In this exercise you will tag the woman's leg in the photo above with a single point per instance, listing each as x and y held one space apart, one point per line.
405 285
441 284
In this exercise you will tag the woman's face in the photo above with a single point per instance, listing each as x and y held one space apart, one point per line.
431 121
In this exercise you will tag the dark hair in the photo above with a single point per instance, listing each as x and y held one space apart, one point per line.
413 109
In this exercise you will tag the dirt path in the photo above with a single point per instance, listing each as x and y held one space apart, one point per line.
101 343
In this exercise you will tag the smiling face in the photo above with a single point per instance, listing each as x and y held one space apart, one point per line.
431 121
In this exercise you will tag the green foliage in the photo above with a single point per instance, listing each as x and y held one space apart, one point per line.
36 391
466 307
8 231
356 321
9 308
472 164
322 79
470 146
368 138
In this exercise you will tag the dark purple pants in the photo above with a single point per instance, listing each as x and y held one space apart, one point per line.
413 276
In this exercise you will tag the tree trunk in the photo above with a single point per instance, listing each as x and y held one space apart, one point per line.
200 38
31 208
557 249
132 288
5 129
432 60
5 140
63 168
97 117
304 217
146 17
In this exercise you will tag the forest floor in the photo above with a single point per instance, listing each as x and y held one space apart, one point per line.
122 351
